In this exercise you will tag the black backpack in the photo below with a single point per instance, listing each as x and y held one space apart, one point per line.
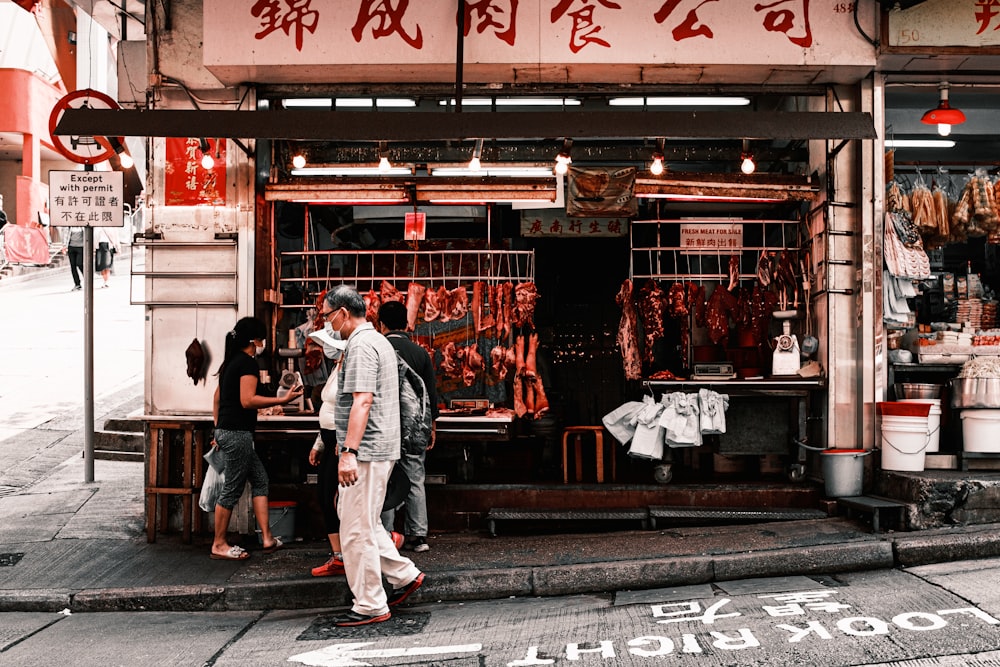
414 409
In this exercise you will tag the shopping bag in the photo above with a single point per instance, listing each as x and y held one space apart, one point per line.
215 479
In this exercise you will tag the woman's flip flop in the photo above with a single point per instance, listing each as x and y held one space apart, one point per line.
274 547
234 553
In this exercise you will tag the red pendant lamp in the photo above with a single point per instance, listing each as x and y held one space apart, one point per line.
944 116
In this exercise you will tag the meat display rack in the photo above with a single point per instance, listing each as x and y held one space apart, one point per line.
431 267
656 252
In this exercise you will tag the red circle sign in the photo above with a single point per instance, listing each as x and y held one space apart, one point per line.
83 150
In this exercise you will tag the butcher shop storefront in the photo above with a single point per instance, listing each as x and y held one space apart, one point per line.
631 238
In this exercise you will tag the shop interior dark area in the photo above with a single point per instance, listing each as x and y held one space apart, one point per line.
576 320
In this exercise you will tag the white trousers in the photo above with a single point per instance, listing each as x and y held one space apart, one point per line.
368 550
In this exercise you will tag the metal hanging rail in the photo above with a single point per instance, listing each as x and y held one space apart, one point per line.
431 267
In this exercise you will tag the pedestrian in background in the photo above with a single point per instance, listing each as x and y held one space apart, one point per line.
367 420
392 317
107 247
324 455
235 408
74 251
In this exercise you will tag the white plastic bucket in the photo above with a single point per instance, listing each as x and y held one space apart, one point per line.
981 430
904 443
933 421
843 472
281 519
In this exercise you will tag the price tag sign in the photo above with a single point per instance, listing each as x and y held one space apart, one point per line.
86 198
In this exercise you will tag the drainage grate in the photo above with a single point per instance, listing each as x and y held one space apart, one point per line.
409 623
7 560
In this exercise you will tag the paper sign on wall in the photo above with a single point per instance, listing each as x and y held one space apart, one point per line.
711 237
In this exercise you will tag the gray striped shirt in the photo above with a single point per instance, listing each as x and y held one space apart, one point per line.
369 365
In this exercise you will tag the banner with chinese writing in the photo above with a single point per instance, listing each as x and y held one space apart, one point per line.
973 23
186 181
551 223
294 40
711 236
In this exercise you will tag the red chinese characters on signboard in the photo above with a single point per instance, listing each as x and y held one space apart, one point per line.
790 17
186 182
985 11
554 223
495 15
584 28
285 15
387 17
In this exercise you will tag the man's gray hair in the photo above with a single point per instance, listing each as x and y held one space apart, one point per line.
346 296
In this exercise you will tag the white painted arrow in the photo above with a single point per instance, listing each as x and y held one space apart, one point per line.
346 655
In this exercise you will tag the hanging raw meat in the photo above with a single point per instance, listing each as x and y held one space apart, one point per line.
414 297
458 303
699 303
450 362
195 355
720 305
506 292
372 304
652 305
540 404
432 308
498 361
678 309
443 296
477 306
390 293
472 364
627 339
525 296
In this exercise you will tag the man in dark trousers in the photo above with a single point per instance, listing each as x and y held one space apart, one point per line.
392 317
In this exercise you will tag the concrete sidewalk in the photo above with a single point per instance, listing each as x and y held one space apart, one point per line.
66 544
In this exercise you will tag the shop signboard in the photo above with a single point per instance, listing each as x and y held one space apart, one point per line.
86 198
186 181
972 23
291 40
705 236
551 224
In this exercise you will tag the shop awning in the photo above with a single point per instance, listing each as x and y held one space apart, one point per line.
315 125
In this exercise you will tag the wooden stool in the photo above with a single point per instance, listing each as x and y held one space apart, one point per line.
577 433
160 435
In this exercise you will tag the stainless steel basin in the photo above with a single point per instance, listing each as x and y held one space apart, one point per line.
975 393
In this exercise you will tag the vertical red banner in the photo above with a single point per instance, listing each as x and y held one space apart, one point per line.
186 181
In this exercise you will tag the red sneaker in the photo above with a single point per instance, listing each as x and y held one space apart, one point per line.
397 539
330 568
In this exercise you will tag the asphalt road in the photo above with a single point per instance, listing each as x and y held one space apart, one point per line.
933 615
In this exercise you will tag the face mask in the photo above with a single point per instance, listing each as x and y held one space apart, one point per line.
259 350
335 350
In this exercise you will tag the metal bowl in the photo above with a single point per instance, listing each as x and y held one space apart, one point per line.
917 390
975 393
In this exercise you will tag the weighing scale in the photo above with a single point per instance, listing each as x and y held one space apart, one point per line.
712 372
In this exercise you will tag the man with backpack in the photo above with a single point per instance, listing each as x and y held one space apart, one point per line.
417 382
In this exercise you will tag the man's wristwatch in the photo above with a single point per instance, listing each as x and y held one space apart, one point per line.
348 450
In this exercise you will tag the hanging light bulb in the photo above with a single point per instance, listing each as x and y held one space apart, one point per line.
384 166
563 160
475 164
207 161
124 159
656 167
943 115
747 164
299 161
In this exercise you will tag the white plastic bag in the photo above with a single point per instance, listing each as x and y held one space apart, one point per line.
215 479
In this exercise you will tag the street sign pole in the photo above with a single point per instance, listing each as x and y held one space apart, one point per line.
88 350
87 153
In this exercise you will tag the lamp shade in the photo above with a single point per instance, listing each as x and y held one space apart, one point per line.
943 115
